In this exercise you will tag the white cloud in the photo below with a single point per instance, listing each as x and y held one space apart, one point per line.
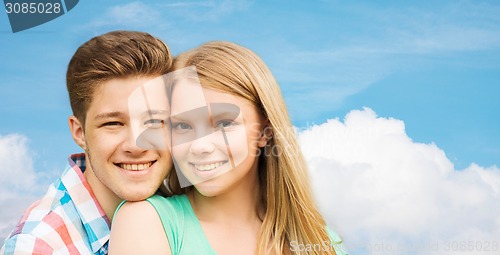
383 192
181 24
143 15
387 194
18 182
135 14
206 10
135 11
17 163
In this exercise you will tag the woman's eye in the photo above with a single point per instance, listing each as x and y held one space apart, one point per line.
225 123
181 127
154 123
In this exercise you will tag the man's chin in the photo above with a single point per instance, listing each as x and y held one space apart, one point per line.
138 196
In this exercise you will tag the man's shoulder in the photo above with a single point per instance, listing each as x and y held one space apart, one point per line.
46 224
25 244
49 226
46 214
66 220
51 201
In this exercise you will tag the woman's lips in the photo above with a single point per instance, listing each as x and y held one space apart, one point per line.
208 166
207 170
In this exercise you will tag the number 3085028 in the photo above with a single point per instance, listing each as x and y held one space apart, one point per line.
33 8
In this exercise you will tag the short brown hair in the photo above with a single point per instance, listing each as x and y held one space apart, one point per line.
117 54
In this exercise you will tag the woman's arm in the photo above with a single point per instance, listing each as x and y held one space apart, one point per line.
137 229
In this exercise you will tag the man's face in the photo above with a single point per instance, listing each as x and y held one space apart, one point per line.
116 164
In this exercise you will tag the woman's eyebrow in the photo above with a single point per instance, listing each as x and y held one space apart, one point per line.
155 112
224 110
197 113
217 111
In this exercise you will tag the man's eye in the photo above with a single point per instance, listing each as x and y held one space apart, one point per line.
112 123
154 123
181 127
225 124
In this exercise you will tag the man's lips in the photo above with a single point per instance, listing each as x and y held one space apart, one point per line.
135 166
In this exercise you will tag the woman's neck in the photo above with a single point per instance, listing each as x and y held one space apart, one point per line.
230 219
241 203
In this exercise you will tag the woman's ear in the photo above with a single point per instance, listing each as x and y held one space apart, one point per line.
76 129
266 135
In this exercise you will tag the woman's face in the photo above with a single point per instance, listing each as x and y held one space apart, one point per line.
215 137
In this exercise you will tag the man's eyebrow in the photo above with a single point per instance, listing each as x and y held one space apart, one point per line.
108 115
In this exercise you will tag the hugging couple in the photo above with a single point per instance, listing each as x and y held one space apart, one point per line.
179 158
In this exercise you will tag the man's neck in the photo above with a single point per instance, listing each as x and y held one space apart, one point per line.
108 200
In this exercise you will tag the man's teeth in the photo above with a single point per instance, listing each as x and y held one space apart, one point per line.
136 167
208 167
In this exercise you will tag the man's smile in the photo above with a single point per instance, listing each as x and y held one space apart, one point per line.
135 166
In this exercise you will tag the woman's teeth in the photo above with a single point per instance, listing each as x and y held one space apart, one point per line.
208 167
135 167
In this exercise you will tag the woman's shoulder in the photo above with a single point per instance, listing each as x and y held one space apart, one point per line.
180 224
176 202
127 208
132 234
176 207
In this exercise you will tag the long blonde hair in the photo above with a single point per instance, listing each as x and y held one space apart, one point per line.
290 211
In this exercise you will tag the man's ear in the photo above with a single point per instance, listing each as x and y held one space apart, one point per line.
266 135
76 129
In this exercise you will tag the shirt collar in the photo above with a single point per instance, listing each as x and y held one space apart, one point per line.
95 221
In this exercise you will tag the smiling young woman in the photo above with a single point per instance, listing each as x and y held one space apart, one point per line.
230 193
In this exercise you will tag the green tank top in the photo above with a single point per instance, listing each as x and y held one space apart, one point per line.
186 237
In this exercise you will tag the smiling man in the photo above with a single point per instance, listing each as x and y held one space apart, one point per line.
73 217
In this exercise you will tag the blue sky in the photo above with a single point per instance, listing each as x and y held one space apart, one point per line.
433 65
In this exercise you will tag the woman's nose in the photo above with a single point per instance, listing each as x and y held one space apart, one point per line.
203 145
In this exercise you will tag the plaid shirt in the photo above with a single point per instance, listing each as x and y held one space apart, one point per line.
66 220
